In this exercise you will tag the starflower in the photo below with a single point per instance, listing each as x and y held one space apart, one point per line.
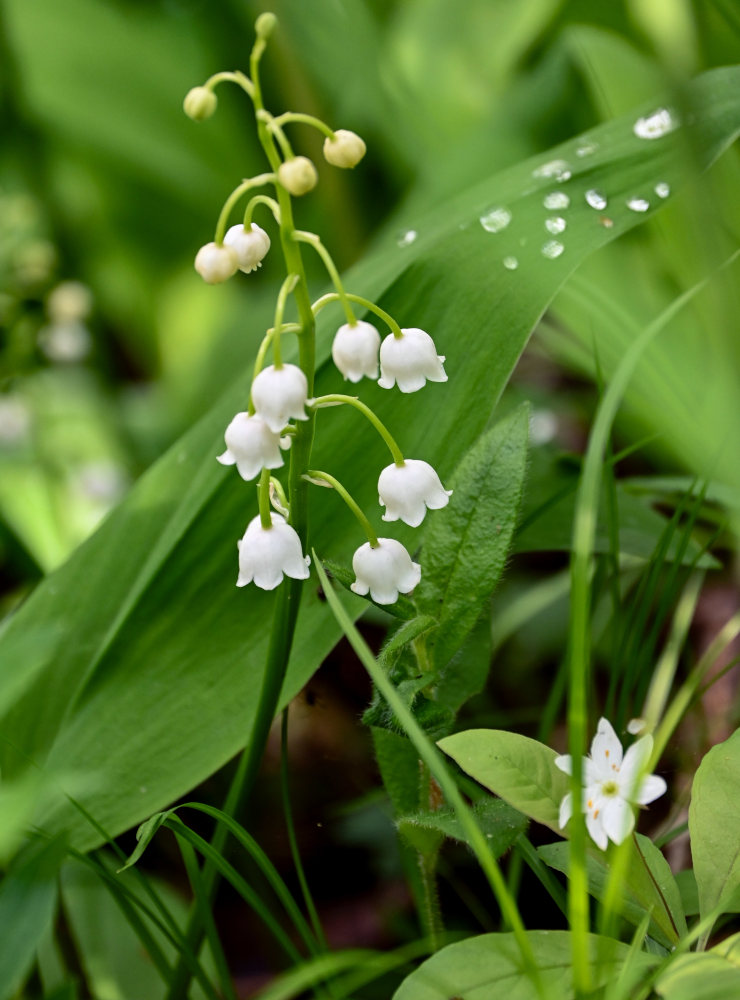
251 446
215 263
280 394
407 490
355 350
410 360
613 783
384 570
249 245
266 554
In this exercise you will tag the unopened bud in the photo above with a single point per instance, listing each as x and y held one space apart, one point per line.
298 176
265 25
199 103
215 263
346 149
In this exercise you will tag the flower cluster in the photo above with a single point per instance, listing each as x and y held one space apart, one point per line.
279 409
613 782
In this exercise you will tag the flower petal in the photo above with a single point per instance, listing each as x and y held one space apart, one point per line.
617 819
564 763
635 762
596 830
606 750
566 810
651 788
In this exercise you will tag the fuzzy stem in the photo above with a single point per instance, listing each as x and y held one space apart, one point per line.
338 397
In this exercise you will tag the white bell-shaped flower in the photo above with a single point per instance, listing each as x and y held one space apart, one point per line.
251 446
215 263
384 570
407 490
355 350
346 149
409 361
280 394
250 246
266 554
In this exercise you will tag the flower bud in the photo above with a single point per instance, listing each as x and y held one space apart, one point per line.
199 103
298 176
265 25
216 263
346 149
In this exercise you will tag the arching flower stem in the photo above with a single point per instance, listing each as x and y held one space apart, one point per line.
338 398
274 129
234 197
240 79
317 474
298 116
366 303
301 236
261 199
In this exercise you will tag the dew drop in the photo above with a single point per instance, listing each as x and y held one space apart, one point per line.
495 219
556 199
586 149
555 225
511 263
559 169
596 199
552 249
653 126
407 237
638 204
663 189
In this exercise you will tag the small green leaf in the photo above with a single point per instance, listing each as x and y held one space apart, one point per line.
145 834
28 896
467 542
489 967
516 768
499 822
714 820
703 976
403 636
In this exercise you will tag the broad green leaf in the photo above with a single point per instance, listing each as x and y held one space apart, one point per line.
500 823
714 820
642 891
466 544
153 678
704 976
466 673
516 768
686 882
28 895
489 967
398 763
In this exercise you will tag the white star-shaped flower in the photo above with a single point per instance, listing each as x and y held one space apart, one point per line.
355 350
280 394
407 490
613 782
266 554
384 570
409 361
251 446
249 245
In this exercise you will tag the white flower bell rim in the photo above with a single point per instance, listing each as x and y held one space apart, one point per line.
384 570
249 245
355 350
406 491
215 263
251 446
279 395
268 554
613 782
409 361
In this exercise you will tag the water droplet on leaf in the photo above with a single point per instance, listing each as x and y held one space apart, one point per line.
556 199
558 169
552 249
511 263
495 219
555 225
658 124
663 189
638 204
586 149
596 199
407 237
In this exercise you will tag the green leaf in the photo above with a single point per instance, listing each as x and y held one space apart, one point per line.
499 822
467 542
516 768
714 819
400 639
642 892
466 673
159 686
705 976
398 763
28 896
489 967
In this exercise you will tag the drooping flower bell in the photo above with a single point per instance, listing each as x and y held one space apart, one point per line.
613 783
249 245
267 554
251 446
215 263
384 571
298 176
346 149
410 360
279 395
408 490
200 103
355 350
